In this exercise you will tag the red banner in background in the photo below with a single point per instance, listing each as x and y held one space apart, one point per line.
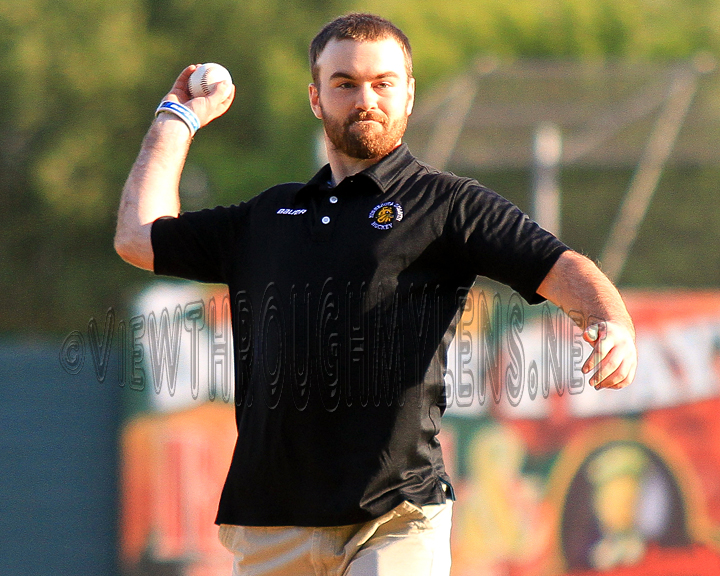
174 467
613 483
552 477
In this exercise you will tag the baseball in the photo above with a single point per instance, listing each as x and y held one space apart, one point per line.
205 76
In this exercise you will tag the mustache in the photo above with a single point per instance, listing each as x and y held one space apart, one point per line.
363 115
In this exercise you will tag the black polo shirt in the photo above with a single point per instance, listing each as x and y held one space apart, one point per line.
344 300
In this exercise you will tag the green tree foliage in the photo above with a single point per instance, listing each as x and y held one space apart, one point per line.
456 31
83 78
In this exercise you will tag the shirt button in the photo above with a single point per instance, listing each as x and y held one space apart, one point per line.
333 199
325 220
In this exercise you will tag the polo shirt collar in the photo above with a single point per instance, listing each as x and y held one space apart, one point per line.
383 173
390 168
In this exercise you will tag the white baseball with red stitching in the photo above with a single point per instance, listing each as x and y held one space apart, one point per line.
202 80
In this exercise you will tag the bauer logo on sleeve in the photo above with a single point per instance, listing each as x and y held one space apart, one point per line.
384 215
291 212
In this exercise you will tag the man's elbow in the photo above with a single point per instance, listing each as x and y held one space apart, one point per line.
138 254
121 246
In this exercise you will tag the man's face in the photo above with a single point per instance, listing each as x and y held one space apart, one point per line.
364 96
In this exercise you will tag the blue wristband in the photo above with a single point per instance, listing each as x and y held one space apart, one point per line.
182 112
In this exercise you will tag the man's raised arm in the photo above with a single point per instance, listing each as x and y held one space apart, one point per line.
151 190
577 286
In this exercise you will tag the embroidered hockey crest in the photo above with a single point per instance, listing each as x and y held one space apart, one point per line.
384 215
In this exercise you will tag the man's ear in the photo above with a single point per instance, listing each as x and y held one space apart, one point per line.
314 95
411 96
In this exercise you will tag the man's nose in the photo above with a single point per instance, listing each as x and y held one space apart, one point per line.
366 97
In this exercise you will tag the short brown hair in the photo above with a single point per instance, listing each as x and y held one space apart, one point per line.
362 28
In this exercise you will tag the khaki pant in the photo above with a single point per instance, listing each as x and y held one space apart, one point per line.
408 540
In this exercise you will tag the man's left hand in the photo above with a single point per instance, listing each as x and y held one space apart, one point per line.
614 356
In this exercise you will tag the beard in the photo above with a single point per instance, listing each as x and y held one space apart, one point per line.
357 138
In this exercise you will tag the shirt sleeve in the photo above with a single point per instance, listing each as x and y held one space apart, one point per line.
497 240
197 245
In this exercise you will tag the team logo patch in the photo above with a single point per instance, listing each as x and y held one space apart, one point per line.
384 215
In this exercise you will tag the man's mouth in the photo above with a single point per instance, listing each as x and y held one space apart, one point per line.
365 118
368 125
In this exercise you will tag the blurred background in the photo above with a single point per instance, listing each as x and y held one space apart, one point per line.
600 118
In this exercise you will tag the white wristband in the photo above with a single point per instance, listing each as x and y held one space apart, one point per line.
182 112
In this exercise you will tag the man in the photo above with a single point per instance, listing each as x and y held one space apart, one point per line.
345 293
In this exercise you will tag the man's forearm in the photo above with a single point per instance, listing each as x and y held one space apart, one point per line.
576 285
151 190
